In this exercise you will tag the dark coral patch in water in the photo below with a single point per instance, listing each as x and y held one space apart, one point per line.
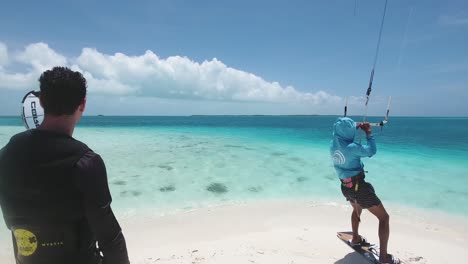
301 179
291 169
136 193
119 183
278 154
169 188
165 166
298 160
256 189
217 188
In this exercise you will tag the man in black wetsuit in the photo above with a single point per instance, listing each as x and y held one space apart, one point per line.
53 189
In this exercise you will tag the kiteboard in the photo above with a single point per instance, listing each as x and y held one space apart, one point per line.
369 252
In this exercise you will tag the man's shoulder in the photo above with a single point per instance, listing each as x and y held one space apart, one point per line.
14 140
81 144
37 135
89 160
21 136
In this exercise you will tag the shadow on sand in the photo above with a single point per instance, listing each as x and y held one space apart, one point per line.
352 258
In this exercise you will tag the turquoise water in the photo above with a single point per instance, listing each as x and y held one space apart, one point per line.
186 162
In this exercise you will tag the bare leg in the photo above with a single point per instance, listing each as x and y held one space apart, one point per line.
384 230
355 219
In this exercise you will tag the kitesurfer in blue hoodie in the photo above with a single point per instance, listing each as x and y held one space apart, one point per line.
346 155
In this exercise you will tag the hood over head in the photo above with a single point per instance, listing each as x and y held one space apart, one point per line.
344 128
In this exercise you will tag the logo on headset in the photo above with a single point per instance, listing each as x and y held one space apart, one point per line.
34 113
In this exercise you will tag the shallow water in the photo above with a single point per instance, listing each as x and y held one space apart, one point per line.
185 162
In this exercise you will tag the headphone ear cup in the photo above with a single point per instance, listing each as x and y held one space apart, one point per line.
32 112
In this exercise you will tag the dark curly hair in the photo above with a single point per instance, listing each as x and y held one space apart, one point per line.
62 90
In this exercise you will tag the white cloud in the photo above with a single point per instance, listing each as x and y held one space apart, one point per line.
41 57
37 56
18 81
105 86
148 75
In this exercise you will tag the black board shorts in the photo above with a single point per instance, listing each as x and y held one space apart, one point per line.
365 195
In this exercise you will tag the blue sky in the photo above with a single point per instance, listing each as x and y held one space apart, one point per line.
242 57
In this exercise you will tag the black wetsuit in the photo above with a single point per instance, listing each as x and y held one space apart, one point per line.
55 200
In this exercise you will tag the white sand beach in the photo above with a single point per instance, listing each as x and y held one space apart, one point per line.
273 232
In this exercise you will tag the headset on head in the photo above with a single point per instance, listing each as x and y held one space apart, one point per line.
32 112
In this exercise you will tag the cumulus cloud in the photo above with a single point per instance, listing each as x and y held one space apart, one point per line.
18 81
40 57
148 75
37 57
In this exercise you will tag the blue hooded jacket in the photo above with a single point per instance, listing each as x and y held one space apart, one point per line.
345 153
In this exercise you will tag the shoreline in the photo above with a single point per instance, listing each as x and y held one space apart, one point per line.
282 231
410 211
